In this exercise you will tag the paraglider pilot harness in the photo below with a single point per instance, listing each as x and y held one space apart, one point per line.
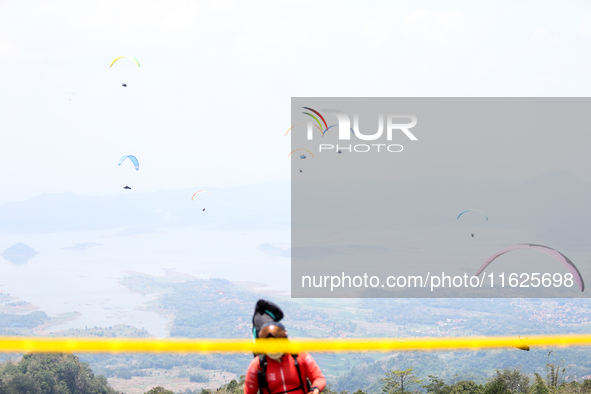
262 376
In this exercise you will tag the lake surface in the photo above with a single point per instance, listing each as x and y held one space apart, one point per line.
87 281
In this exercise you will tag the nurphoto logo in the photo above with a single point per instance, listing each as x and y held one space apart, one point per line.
394 124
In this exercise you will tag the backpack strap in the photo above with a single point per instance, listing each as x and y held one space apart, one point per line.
297 365
262 374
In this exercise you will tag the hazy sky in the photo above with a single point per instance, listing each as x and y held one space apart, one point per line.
211 100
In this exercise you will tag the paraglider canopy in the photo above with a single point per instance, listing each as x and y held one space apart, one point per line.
473 210
295 150
328 128
319 129
123 57
199 192
562 259
133 159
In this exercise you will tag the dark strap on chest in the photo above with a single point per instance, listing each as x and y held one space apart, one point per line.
262 376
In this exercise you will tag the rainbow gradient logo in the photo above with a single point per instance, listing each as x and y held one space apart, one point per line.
395 123
345 129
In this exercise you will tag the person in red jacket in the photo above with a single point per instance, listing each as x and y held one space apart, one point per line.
277 373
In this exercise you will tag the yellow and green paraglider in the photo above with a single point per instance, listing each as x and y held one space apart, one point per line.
124 57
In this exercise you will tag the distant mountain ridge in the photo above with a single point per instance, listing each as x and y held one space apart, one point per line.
554 205
244 207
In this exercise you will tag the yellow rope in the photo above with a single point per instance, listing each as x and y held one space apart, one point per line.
133 345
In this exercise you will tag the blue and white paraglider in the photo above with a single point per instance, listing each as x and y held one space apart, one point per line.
133 159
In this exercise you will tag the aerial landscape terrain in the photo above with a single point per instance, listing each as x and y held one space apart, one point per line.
203 173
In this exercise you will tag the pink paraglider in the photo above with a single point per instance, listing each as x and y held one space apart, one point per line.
562 259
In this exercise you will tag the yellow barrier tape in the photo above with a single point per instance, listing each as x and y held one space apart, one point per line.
133 345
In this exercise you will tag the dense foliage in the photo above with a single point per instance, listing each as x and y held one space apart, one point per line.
483 316
198 305
159 390
30 320
469 365
408 381
55 373
127 366
219 308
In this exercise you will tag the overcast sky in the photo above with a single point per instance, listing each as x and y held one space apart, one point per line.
211 101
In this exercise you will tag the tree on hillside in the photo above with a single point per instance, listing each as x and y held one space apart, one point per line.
235 387
513 380
159 390
466 387
436 386
400 381
328 389
572 387
539 387
38 373
495 386
553 373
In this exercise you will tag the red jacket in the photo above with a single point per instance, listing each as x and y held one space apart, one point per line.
283 376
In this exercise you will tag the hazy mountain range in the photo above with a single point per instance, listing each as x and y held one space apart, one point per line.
246 208
556 205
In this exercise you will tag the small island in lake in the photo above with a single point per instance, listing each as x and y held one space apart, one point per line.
19 253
